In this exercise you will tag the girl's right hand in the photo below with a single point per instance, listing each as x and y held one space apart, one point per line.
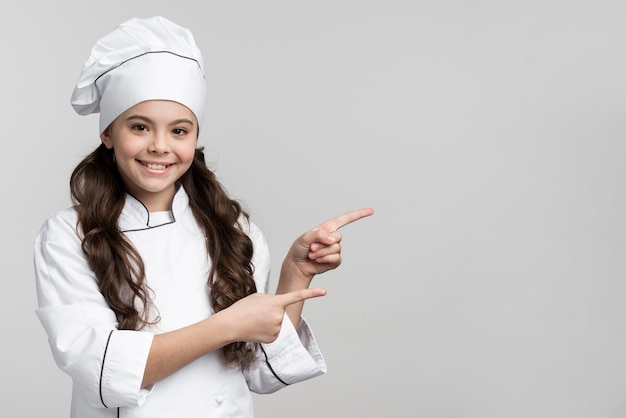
258 318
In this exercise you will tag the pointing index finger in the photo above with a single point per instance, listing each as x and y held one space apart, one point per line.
286 299
343 220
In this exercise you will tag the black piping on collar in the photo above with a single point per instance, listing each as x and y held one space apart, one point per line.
147 226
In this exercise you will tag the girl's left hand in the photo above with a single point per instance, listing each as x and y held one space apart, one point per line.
319 250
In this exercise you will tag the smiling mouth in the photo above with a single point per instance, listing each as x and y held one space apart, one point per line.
156 166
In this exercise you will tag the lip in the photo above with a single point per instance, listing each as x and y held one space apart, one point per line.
155 166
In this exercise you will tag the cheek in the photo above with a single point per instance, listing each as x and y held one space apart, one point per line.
187 154
125 149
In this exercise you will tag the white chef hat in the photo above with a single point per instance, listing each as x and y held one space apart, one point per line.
141 59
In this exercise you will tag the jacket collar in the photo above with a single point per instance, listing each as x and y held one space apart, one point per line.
136 217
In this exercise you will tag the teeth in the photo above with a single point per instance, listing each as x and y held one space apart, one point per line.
156 166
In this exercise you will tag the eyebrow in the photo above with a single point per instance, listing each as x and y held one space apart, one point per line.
148 120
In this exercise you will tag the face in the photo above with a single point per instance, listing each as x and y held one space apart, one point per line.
154 144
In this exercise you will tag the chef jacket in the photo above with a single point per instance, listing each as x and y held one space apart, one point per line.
107 365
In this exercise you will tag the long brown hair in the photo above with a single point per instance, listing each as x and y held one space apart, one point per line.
98 191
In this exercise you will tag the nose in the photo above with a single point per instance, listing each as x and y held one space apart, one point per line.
159 143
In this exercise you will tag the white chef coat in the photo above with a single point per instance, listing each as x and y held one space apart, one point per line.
107 364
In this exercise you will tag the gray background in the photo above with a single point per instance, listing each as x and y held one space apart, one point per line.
487 135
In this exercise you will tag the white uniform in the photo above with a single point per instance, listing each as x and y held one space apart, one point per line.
107 364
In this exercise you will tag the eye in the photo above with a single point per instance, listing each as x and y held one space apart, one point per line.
139 127
179 131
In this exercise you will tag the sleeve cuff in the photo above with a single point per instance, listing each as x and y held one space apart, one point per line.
294 356
123 367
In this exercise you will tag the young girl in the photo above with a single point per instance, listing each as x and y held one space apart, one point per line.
152 288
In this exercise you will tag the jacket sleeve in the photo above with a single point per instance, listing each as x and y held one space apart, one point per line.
294 356
105 364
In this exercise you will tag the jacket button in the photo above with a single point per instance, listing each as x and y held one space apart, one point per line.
219 400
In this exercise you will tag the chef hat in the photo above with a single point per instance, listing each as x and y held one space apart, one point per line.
141 59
